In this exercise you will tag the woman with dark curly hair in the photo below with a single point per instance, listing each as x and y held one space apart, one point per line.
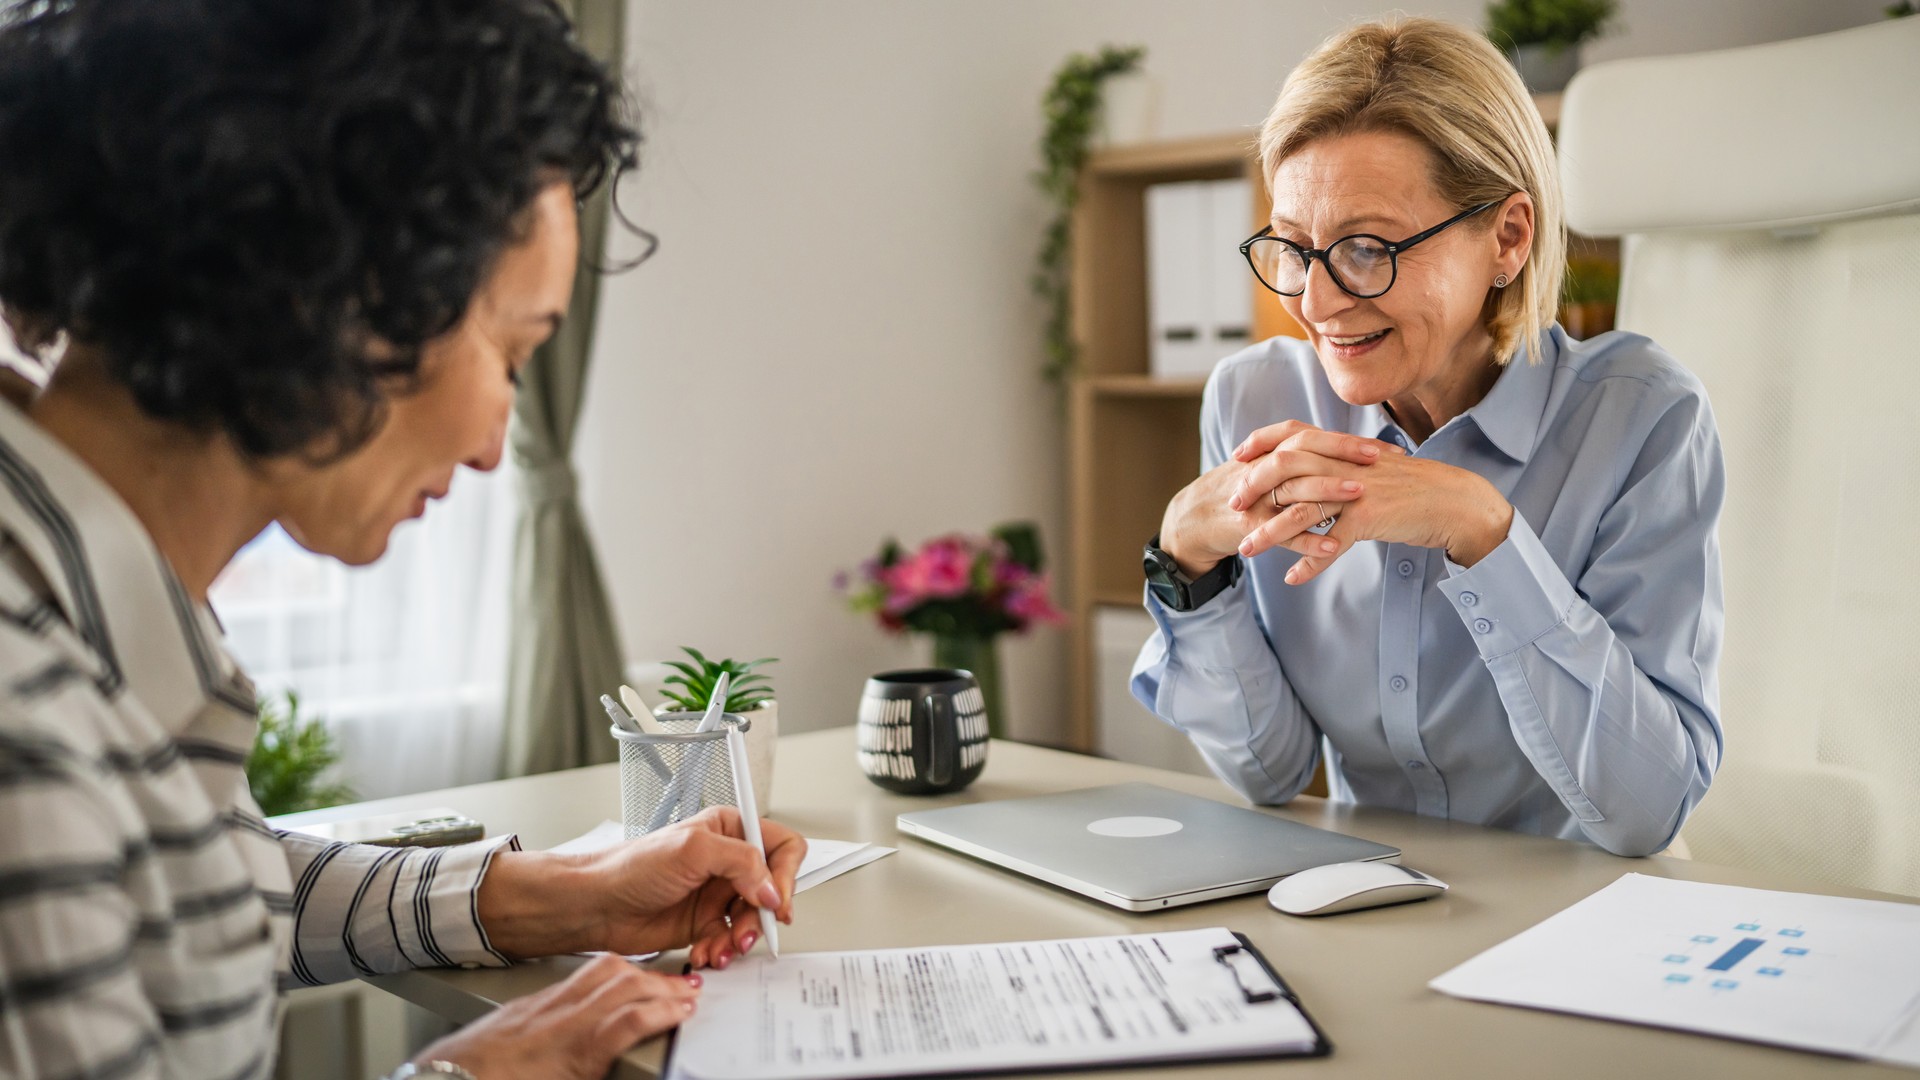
293 257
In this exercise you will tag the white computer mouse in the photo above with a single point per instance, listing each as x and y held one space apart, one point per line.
1349 886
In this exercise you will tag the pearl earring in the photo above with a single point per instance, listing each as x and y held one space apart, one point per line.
1500 282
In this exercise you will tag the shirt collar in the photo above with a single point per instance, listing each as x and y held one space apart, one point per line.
143 634
1510 415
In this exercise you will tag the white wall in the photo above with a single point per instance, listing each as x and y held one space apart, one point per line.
836 341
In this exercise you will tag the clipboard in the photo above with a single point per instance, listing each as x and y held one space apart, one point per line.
1222 1000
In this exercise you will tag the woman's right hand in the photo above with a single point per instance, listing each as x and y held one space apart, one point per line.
1201 525
574 1029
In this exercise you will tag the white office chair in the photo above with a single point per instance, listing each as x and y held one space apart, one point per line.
1769 198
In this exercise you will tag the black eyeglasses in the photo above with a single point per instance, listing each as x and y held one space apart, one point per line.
1363 265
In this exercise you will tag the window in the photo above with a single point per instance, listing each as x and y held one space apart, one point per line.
405 659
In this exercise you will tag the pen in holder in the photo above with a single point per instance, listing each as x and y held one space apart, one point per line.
671 777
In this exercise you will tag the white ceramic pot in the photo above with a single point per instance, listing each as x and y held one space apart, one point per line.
1545 69
763 728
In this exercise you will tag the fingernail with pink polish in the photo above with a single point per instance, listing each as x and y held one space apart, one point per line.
693 979
746 943
769 896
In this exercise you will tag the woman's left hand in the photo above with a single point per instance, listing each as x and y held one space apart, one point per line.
696 883
1408 500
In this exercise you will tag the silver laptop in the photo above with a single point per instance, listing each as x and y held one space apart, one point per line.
1137 846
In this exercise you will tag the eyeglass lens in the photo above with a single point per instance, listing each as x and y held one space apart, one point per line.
1361 264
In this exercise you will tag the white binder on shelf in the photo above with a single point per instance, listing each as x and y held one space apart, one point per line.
1200 303
1229 282
1177 305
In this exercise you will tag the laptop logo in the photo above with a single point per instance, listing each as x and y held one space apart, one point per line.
1134 827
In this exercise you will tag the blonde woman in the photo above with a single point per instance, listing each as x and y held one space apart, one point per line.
1471 558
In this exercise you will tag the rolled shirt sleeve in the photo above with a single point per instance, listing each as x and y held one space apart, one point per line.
366 910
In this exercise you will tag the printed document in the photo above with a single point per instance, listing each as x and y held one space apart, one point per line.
973 1008
1824 973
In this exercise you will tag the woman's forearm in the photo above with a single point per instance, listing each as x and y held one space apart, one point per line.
1211 674
536 903
1620 725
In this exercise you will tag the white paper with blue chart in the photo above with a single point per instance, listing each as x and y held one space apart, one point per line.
1034 1005
1823 973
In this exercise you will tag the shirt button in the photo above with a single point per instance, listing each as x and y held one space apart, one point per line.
1406 567
1469 598
1416 766
1398 682
1482 626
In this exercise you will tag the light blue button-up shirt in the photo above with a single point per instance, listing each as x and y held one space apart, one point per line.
1565 685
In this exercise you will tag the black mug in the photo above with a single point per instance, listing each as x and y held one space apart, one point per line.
923 732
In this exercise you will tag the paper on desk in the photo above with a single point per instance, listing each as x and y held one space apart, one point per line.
826 859
1823 973
969 1009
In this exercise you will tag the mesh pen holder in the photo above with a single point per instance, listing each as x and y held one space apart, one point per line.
671 777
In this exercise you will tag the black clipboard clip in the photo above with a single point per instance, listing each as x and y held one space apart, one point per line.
1224 955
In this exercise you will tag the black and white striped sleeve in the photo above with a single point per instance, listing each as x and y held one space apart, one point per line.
365 910
71 1002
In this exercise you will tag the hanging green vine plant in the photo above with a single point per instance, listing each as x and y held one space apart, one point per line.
1073 108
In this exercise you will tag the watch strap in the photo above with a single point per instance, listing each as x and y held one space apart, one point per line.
1179 592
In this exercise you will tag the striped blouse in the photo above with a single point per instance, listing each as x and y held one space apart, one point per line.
148 916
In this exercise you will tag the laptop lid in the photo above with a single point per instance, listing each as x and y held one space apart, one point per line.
1138 846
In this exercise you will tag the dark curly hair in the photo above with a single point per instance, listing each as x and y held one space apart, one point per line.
259 211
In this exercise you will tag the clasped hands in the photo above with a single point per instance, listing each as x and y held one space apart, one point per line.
1271 491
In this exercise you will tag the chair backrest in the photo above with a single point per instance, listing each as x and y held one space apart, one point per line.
1769 198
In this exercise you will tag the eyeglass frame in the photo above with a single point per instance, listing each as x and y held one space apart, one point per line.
1307 255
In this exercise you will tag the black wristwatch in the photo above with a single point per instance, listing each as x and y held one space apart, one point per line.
1175 589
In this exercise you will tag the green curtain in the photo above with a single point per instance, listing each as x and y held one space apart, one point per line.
564 649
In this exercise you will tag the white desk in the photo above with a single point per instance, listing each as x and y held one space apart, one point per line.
1362 975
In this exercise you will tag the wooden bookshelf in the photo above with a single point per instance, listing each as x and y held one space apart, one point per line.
1133 441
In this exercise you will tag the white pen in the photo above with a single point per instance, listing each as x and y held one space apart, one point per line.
750 823
626 723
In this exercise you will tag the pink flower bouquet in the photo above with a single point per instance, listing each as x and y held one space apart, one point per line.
957 585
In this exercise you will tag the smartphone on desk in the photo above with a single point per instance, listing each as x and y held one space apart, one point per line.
438 827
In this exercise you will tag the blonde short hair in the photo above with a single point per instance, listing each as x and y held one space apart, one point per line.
1449 88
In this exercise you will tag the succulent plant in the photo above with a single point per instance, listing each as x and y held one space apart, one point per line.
746 689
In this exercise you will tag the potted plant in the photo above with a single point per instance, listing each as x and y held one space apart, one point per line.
963 591
749 694
1543 37
289 755
1074 106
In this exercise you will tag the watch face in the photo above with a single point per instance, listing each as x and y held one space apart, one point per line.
1168 594
1163 579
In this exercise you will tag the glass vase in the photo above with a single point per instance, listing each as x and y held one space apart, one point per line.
971 652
